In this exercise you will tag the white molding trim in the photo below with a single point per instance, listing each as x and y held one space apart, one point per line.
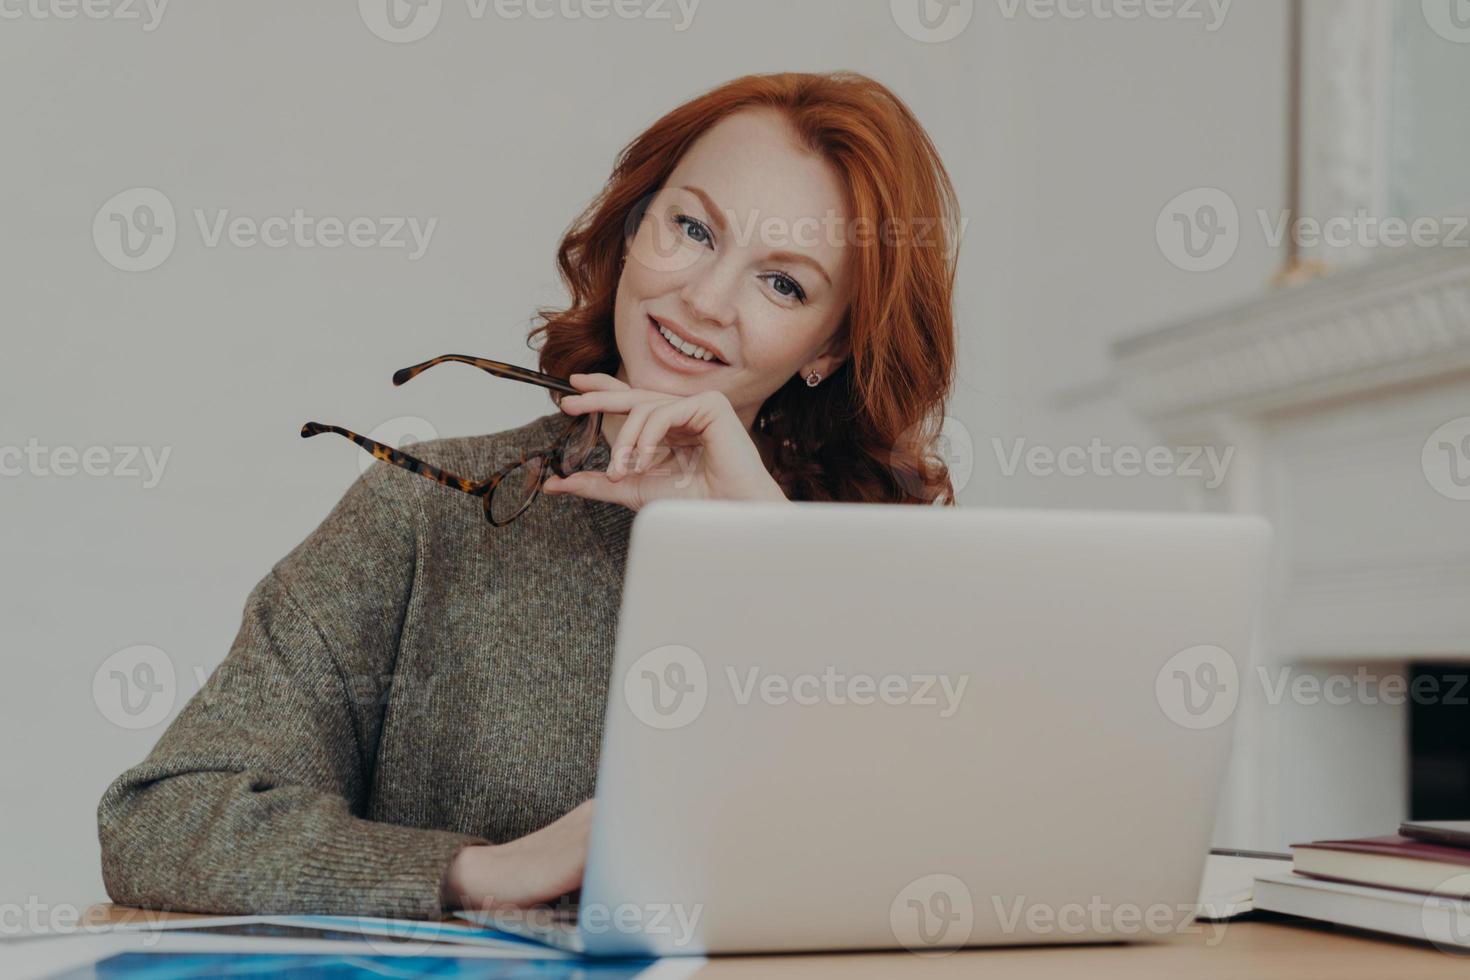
1391 320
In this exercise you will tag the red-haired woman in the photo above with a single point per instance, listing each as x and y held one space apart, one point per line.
409 718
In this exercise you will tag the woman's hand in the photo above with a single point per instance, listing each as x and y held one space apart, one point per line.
538 867
687 447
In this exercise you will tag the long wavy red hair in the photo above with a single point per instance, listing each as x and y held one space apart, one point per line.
871 431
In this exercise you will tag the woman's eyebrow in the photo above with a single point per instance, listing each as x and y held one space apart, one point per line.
717 215
804 260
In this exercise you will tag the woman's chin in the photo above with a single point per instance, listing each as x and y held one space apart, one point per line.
654 377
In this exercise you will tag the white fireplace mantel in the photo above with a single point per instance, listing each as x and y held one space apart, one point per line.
1403 318
1325 394
1329 395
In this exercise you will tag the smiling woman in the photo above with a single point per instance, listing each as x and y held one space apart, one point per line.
799 228
410 716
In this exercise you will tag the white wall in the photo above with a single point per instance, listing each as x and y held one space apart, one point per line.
1103 123
1064 137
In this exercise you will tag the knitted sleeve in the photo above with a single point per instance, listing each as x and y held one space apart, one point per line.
253 800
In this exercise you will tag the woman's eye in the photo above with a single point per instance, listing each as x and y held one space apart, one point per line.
699 232
788 287
695 228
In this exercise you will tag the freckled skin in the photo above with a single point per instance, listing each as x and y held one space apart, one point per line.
722 286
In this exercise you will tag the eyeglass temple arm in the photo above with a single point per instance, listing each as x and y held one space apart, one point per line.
496 368
399 458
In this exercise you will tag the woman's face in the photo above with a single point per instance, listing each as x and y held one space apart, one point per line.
741 252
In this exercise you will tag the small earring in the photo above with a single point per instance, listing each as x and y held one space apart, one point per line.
813 379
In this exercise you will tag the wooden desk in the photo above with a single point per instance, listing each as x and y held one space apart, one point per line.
1256 949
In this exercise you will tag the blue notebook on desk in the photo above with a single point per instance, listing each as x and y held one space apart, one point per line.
324 946
178 966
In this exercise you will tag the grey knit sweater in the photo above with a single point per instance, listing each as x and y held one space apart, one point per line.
406 681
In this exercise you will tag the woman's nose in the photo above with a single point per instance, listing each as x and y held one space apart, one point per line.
709 292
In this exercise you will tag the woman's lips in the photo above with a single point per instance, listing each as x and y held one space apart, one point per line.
677 360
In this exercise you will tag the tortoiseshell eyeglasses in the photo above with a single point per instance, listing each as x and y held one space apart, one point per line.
523 477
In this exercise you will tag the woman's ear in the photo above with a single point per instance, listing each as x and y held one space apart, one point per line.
831 356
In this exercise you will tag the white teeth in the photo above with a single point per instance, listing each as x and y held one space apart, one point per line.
693 350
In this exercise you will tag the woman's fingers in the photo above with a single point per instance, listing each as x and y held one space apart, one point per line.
647 463
595 486
636 404
662 418
598 382
529 870
718 458
619 401
622 449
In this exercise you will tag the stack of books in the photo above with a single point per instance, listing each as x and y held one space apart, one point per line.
1415 883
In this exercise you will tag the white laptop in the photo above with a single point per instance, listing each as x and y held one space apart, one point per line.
862 726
